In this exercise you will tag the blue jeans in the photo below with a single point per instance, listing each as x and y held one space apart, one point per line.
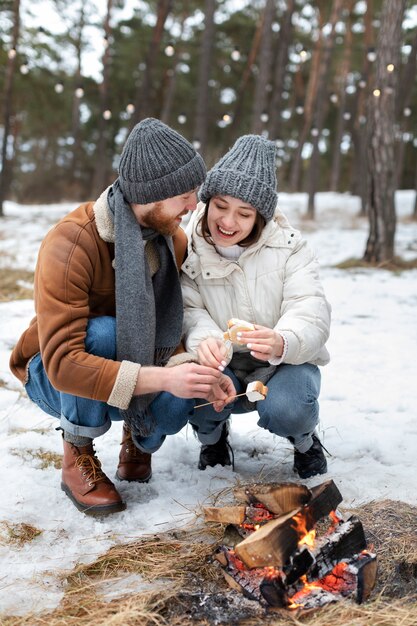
91 418
290 409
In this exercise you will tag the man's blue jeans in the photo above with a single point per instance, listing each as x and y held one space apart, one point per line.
92 418
289 410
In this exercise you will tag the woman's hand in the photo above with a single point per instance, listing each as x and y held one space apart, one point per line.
214 352
264 343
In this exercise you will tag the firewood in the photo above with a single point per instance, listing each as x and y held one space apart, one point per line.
367 571
279 498
225 514
325 497
272 544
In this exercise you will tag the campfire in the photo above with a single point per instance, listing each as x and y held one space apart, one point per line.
287 546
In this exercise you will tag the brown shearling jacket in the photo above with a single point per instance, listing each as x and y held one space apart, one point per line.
74 282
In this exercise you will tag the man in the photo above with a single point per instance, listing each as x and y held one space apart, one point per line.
104 344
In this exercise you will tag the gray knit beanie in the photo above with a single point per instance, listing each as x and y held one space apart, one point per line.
158 163
246 172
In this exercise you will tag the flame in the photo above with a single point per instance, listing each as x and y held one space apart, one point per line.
307 537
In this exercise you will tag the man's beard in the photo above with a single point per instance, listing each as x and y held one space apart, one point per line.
160 222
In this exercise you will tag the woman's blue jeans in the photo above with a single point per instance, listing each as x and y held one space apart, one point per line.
289 410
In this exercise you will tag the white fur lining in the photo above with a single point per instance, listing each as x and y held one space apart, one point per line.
104 222
125 384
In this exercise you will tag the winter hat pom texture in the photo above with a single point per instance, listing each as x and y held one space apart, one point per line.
158 163
248 172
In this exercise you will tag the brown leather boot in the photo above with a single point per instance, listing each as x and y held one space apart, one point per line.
86 484
134 465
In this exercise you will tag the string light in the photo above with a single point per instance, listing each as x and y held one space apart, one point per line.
236 54
170 50
334 98
12 53
24 68
264 117
390 67
107 114
314 132
299 110
59 88
346 115
130 108
79 92
371 55
376 92
407 112
196 144
182 118
303 56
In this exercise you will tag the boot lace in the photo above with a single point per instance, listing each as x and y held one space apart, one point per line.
130 447
90 467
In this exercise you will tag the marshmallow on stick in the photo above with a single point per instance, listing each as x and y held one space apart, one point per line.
255 391
234 326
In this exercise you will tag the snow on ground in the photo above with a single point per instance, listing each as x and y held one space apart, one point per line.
368 410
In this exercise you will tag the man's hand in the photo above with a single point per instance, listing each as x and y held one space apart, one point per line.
222 393
213 352
264 343
192 380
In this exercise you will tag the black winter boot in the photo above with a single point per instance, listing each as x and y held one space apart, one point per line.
219 453
312 462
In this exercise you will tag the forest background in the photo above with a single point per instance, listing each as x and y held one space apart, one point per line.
333 83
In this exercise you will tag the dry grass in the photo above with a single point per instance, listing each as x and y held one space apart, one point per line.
191 590
15 284
17 534
45 458
397 265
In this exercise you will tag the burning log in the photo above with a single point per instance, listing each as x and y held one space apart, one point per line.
279 498
225 514
347 539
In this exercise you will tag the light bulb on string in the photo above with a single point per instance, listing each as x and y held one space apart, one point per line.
182 118
235 55
196 144
407 112
346 115
130 108
24 68
334 98
107 114
390 67
227 118
376 92
299 110
314 132
264 117
59 88
12 53
170 50
79 92
303 55
371 55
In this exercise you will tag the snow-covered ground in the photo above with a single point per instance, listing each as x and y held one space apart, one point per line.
368 410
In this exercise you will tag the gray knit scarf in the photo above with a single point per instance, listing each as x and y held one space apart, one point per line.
149 309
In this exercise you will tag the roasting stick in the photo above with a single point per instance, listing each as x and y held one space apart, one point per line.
254 391
207 403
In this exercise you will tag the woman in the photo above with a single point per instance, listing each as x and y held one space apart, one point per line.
246 261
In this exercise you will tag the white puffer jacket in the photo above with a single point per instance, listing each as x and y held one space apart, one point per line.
275 283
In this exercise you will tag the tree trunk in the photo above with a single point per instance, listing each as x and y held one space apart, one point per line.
340 123
202 107
284 41
144 90
76 125
5 174
242 89
101 172
359 173
381 138
321 105
264 68
169 92
308 107
405 95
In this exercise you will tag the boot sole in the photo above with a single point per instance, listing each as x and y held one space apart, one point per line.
134 480
95 511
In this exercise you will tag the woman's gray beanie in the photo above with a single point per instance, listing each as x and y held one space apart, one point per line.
247 172
158 163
